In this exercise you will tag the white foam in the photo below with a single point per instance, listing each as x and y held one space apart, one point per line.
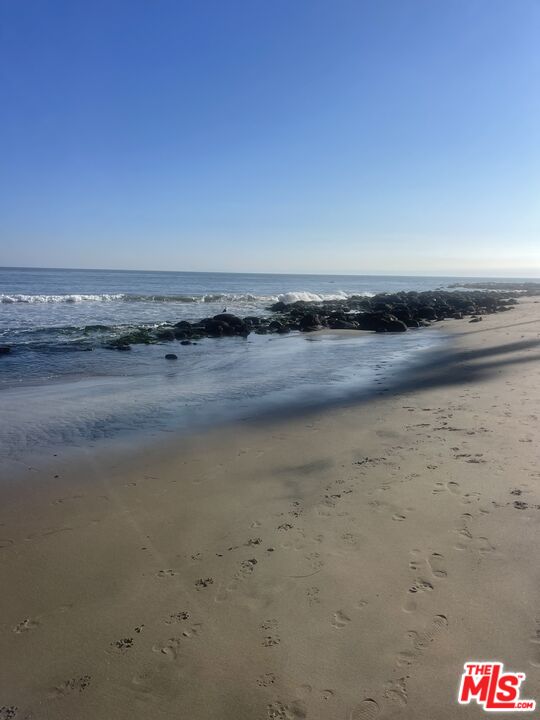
73 298
305 296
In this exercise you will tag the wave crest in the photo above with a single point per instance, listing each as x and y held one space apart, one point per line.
305 296
72 298
217 297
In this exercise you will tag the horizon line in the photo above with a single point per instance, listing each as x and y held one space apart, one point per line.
259 272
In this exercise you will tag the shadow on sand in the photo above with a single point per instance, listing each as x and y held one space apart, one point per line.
440 368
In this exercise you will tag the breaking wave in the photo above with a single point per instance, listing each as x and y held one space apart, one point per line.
290 297
74 298
304 296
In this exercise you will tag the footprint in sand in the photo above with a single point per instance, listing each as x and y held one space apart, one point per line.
452 486
421 640
476 459
271 637
294 541
177 617
293 711
8 712
122 645
170 649
69 686
419 586
467 541
340 620
351 538
437 565
202 583
266 680
470 498
396 691
193 631
25 625
315 561
306 691
246 569
284 527
165 573
416 561
368 709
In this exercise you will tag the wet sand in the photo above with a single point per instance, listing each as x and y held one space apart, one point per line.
342 564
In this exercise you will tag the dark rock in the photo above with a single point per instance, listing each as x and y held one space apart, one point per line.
5 349
187 342
226 324
310 322
402 312
183 325
279 306
426 312
215 328
171 356
342 325
380 322
165 333
230 319
383 307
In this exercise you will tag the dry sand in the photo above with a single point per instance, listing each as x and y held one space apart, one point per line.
340 565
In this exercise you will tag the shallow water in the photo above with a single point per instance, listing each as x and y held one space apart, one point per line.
55 392
215 381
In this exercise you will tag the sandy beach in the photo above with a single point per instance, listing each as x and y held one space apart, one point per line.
338 565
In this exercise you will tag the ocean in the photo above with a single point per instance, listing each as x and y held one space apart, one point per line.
60 384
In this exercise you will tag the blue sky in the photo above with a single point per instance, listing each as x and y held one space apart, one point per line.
283 136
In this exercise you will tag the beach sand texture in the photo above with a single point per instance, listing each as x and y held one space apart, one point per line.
340 565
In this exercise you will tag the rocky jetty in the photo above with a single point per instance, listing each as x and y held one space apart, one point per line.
386 312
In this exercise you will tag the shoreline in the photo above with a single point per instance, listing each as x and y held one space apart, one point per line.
270 377
344 563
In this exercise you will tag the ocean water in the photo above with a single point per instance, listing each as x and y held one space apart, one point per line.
60 385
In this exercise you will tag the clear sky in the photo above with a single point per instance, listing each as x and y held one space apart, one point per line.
394 136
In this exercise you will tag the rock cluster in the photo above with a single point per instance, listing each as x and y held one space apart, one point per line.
386 312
